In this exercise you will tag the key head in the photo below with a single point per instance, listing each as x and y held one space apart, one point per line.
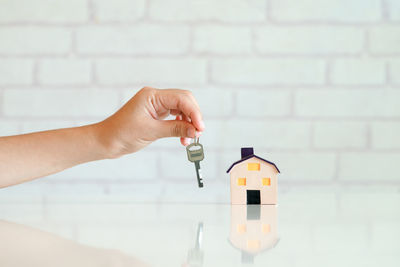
195 152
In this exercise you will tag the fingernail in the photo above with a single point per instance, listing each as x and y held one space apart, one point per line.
198 134
190 132
202 126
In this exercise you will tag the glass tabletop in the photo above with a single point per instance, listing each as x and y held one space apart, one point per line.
304 229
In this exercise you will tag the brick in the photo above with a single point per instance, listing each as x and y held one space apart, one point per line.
269 134
16 71
384 40
393 7
348 103
53 11
340 135
29 40
138 166
119 10
257 103
326 10
64 72
358 72
133 40
214 107
369 166
8 128
313 40
222 39
304 166
394 71
209 10
268 71
65 102
385 135
154 72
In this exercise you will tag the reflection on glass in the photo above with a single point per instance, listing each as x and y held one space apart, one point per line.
253 229
196 255
25 246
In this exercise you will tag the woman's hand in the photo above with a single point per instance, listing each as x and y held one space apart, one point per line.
141 120
138 123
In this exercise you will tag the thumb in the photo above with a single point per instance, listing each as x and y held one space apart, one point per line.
175 128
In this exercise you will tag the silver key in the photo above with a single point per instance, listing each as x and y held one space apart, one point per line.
195 154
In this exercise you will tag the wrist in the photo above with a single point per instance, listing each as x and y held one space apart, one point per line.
104 143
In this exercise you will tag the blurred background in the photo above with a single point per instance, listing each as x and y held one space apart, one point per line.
313 86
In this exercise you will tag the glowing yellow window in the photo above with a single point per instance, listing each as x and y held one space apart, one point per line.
266 181
253 244
266 228
241 181
253 166
241 228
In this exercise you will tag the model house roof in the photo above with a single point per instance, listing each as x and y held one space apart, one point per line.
247 153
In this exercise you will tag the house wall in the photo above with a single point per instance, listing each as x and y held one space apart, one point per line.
253 182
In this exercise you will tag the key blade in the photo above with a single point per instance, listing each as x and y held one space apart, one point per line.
198 174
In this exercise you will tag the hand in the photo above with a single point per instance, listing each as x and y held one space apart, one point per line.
140 121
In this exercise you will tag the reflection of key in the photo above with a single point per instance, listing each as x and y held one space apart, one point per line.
196 255
195 154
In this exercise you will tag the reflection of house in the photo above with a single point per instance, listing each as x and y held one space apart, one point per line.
253 180
253 229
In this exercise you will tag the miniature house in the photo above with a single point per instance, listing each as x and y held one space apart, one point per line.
254 230
253 180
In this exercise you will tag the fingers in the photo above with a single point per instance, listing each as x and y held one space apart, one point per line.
182 101
175 128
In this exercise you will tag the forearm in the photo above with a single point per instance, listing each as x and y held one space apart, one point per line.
29 156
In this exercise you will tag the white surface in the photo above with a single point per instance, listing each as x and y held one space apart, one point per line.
317 226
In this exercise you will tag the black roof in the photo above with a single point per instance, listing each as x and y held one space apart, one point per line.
250 156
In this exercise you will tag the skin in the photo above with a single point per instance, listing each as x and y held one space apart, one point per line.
137 124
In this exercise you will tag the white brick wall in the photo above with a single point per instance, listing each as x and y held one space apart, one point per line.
268 71
309 40
384 40
393 7
385 135
202 10
264 103
105 10
395 72
16 71
348 103
55 11
170 71
34 40
64 72
326 10
133 40
313 85
222 40
59 103
358 72
340 135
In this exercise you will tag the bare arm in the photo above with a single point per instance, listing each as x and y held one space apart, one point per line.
138 123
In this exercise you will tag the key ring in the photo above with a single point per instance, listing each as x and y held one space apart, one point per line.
196 140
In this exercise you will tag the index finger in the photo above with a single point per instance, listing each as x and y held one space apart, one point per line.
184 101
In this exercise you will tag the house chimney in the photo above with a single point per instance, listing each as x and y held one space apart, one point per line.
247 151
